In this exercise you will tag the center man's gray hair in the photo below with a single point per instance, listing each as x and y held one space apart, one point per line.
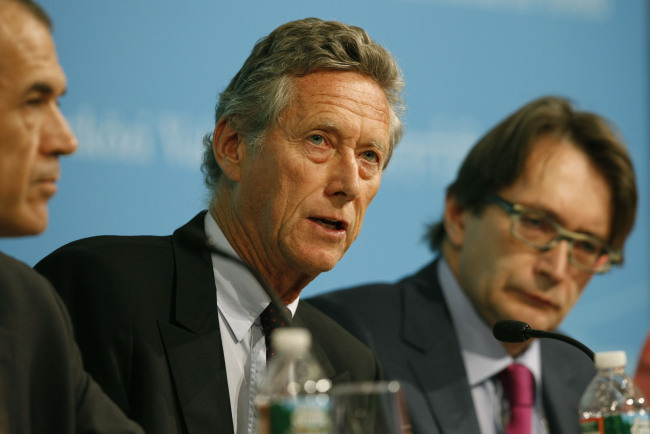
263 87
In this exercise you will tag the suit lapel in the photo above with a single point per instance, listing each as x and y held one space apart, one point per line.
439 369
561 386
192 338
319 352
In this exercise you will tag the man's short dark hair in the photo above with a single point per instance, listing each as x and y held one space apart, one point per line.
499 158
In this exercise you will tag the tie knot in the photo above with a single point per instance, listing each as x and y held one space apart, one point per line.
519 385
272 318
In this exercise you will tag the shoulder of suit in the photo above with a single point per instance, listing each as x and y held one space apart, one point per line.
326 329
109 246
15 274
24 292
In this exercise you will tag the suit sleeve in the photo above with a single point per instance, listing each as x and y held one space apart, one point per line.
48 388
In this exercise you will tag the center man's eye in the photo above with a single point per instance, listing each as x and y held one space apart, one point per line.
316 139
370 156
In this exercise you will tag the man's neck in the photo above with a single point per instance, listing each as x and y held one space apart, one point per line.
287 284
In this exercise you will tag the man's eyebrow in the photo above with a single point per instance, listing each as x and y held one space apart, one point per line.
329 126
40 87
381 146
562 222
326 126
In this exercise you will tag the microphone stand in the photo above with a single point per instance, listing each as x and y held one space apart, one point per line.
544 334
518 331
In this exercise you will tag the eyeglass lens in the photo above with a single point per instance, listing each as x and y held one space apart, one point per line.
541 232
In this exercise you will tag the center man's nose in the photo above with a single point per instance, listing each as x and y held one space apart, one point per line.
345 180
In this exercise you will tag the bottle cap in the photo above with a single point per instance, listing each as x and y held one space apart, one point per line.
295 340
610 359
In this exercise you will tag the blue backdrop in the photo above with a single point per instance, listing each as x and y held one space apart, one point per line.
144 76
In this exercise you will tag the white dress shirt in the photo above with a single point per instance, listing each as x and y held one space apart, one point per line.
240 299
484 357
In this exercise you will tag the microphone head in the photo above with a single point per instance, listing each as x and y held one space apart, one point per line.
511 331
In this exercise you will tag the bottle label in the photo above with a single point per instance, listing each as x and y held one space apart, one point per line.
593 425
633 423
301 414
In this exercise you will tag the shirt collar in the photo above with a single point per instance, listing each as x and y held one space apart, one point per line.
483 355
240 297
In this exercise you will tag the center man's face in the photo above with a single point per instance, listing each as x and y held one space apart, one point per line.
304 197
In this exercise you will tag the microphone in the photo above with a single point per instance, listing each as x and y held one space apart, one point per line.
518 331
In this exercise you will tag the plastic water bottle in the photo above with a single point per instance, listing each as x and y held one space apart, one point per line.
611 404
293 397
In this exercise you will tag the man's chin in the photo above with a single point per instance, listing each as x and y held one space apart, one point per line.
535 321
541 317
21 225
21 231
315 264
320 266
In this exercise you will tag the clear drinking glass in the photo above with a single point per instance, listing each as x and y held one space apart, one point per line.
369 408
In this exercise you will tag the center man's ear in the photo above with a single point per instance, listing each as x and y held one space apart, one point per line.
454 221
228 147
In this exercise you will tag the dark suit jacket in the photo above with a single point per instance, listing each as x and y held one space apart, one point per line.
146 317
409 327
43 387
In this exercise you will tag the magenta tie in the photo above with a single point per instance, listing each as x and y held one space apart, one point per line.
519 387
271 319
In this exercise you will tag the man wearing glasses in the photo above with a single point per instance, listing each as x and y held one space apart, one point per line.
542 202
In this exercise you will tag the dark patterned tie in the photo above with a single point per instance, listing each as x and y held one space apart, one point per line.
519 387
271 319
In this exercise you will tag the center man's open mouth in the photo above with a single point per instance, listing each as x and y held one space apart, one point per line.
328 223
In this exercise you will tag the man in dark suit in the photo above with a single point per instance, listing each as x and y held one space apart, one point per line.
43 386
541 203
171 330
